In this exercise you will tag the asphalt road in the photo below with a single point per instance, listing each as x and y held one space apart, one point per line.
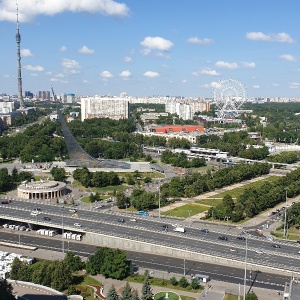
155 262
260 250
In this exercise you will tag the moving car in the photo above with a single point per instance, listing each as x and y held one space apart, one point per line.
204 230
276 246
241 238
223 238
5 201
121 220
72 210
46 219
77 225
132 220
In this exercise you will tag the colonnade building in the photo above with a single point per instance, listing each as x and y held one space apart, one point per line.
42 190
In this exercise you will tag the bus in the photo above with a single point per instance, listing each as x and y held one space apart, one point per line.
201 277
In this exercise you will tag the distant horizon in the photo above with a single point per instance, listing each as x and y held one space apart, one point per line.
146 48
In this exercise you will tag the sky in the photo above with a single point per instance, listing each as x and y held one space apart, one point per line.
152 47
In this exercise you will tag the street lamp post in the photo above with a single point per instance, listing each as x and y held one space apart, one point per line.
245 275
159 201
189 212
62 234
227 218
285 227
126 204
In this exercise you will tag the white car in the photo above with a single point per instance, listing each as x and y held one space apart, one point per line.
77 225
35 213
132 220
73 210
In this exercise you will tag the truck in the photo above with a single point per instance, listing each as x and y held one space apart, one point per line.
179 229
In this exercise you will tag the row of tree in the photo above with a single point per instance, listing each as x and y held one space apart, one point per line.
195 184
288 157
95 179
254 200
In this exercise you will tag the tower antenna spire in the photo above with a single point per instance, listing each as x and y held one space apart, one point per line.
18 40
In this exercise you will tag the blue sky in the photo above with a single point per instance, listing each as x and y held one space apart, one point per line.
152 47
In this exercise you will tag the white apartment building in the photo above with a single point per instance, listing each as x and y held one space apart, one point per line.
7 107
104 107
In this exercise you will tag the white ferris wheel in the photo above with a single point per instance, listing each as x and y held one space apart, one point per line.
229 96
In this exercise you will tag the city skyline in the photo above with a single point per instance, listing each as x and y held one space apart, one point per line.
147 48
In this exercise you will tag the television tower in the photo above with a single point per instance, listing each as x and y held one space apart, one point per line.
18 39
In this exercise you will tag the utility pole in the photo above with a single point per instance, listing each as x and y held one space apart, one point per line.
285 225
159 201
189 212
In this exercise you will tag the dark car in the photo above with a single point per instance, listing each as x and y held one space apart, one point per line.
241 238
5 202
276 246
121 220
165 227
223 238
46 219
204 230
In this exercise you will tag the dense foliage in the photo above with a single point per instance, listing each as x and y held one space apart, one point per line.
58 174
6 290
39 143
95 179
289 157
254 200
196 183
9 181
181 160
110 263
30 117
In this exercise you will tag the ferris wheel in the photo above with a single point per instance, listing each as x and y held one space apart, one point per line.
229 96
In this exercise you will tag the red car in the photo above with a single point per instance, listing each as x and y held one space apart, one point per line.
5 202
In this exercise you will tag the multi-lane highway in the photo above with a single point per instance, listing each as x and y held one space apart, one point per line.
156 262
260 250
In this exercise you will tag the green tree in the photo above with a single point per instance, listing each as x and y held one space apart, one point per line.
6 290
251 296
112 294
183 282
194 284
135 295
146 288
127 292
61 277
73 261
15 269
59 174
173 281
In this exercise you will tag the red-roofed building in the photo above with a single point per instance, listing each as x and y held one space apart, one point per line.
179 128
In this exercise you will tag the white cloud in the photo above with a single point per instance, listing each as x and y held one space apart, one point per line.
226 65
196 40
125 74
256 86
60 75
72 71
48 73
275 84
294 85
70 63
85 50
206 71
6 76
34 75
63 48
26 52
34 68
281 37
184 81
85 81
54 79
106 74
215 84
288 57
151 74
127 59
249 65
29 9
157 43
145 51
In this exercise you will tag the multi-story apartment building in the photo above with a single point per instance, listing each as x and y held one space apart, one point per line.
104 107
43 95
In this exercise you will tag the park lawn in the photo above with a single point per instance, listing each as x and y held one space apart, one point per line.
209 201
186 297
235 193
90 280
185 211
162 296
